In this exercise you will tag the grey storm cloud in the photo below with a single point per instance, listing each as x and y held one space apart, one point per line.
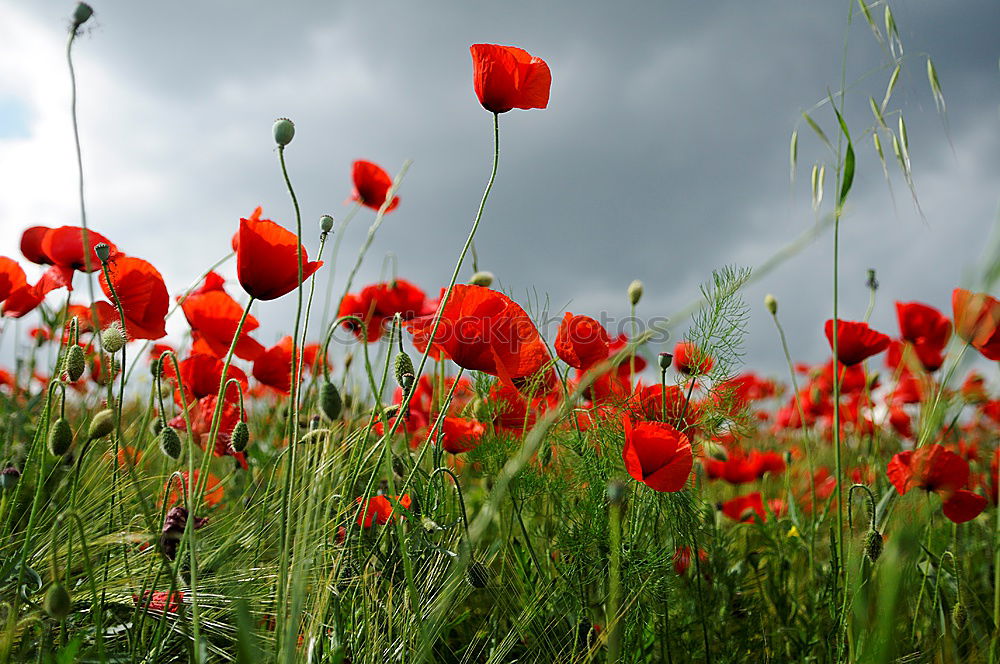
662 156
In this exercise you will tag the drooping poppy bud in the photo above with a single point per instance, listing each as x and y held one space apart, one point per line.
329 401
284 131
60 437
240 437
170 442
102 424
959 616
75 363
57 601
112 338
873 545
9 477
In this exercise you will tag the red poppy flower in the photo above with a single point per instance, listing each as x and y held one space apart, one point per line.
214 316
461 434
24 297
484 330
581 341
657 455
506 77
143 296
63 247
267 259
273 367
740 468
856 341
201 375
936 469
371 186
682 560
12 277
31 245
745 508
213 491
925 328
977 320
160 601
377 303
691 360
201 412
380 509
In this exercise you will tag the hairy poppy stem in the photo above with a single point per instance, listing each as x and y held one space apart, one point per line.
333 262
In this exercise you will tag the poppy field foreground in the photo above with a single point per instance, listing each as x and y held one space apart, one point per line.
414 473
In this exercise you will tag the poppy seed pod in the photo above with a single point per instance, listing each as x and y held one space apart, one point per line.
102 424
482 278
57 601
329 401
103 251
241 436
665 360
75 363
112 338
402 367
771 303
477 575
326 223
60 437
170 443
81 14
284 131
873 545
635 292
9 477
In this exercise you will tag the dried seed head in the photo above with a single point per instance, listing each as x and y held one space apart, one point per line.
103 252
482 278
635 292
477 574
60 437
329 401
665 360
326 223
402 367
959 616
241 436
112 338
284 131
170 443
57 601
102 424
9 477
771 303
873 545
76 362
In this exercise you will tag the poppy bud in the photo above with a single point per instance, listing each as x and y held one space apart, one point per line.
103 252
112 338
635 292
81 14
241 436
170 443
958 616
771 303
60 437
102 424
665 359
326 223
158 426
329 401
477 575
9 477
616 492
482 278
872 282
873 545
402 367
75 363
284 131
57 601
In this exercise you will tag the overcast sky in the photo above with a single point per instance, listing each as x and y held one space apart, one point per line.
662 156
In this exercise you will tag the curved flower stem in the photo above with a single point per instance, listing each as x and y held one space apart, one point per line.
309 301
871 504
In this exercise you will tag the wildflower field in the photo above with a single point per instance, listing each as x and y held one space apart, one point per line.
416 473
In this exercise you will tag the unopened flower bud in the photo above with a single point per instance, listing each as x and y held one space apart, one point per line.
665 360
81 14
873 545
9 477
616 492
75 363
102 424
284 131
326 223
170 442
771 303
112 338
872 282
959 616
482 278
241 436
329 401
60 437
57 601
403 366
635 292
103 252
